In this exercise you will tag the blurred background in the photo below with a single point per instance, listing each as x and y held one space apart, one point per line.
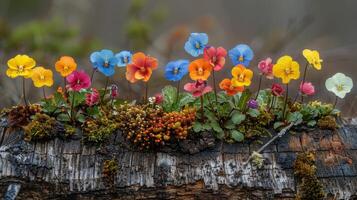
48 29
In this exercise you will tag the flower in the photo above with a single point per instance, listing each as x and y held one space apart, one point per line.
65 65
313 58
216 57
266 68
124 58
42 77
176 70
159 98
277 89
241 54
241 76
197 88
199 69
253 104
196 44
286 69
141 67
20 65
339 84
104 61
92 98
226 85
78 80
114 91
307 88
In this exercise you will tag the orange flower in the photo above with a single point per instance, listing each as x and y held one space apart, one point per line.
200 69
65 65
241 76
226 85
141 67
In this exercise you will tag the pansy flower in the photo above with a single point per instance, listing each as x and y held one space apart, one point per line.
339 84
20 65
306 88
196 44
176 70
197 88
124 58
313 58
141 67
65 65
42 77
216 57
277 89
241 76
104 61
78 80
241 54
199 69
286 69
266 68
227 86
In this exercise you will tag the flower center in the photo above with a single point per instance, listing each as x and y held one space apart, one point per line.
198 45
176 70
288 71
241 58
142 69
42 77
241 78
106 64
21 68
200 71
125 60
339 87
214 59
78 82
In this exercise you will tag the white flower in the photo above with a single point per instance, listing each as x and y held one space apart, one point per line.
339 84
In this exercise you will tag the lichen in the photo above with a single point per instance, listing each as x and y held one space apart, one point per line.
309 187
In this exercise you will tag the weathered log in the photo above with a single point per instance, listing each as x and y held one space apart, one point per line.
60 169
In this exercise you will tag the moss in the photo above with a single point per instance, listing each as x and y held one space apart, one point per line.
20 116
40 128
327 122
69 130
98 130
309 187
110 170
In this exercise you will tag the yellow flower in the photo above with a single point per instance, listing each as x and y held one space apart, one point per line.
286 69
313 58
20 65
241 76
42 77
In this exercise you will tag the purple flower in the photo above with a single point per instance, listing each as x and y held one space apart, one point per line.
253 104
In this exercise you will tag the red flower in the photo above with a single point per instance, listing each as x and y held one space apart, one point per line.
114 91
92 98
159 98
216 57
198 88
78 80
277 90
307 88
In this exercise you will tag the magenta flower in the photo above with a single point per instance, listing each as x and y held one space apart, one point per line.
216 57
266 68
158 98
78 80
114 91
277 89
92 98
198 88
307 88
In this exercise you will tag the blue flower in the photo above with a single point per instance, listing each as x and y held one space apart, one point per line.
241 54
196 44
124 58
104 61
176 70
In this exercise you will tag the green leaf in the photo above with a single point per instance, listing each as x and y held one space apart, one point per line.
244 99
63 117
253 112
197 127
80 117
93 111
170 95
311 123
77 98
237 117
210 115
295 117
216 127
229 124
185 99
278 124
237 136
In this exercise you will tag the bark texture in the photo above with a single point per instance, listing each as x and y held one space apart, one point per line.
60 169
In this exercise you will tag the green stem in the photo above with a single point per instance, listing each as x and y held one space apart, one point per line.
178 91
334 105
105 90
44 92
72 106
214 85
286 100
24 91
146 91
92 75
260 83
202 113
64 87
303 80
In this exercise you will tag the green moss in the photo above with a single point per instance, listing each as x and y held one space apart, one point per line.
309 187
98 130
110 170
327 122
40 128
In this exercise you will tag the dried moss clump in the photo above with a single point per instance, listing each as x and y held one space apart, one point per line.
309 187
327 122
98 130
110 170
40 128
20 116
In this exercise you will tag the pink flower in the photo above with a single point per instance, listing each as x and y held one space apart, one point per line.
114 91
198 88
158 98
78 80
216 57
266 68
92 98
307 88
277 90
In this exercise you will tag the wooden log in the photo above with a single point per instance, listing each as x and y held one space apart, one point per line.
60 169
